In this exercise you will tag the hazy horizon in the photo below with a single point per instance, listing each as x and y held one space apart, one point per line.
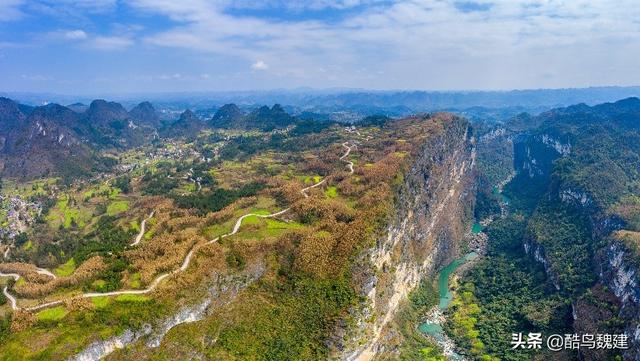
328 90
361 102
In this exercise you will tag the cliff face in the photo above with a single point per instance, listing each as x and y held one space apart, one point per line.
534 154
533 158
433 206
621 275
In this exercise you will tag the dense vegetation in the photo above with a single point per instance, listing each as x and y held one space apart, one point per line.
566 237
213 201
289 321
415 346
505 292
296 284
487 203
577 174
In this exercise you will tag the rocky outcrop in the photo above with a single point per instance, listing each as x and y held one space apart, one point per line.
562 148
493 134
51 142
113 126
595 312
101 349
54 140
12 121
223 290
534 154
621 275
432 208
537 251
602 224
616 271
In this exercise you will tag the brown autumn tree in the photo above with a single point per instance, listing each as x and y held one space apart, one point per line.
22 320
88 270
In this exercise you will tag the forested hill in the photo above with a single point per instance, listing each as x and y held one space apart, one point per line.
594 151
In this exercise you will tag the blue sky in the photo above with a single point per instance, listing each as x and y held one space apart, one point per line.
106 46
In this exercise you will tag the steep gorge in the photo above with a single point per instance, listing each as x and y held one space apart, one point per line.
577 232
433 208
565 258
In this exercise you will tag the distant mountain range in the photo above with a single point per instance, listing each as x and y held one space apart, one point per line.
66 140
350 104
54 139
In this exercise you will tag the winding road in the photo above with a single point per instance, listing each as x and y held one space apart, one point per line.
45 272
142 227
11 299
346 154
185 263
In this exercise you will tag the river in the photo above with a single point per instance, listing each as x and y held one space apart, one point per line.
435 319
476 228
497 191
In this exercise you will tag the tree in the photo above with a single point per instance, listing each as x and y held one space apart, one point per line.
21 239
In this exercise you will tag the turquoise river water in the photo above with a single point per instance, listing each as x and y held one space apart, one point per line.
446 296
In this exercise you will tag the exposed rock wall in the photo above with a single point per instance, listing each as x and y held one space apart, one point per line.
535 249
432 211
534 154
621 275
223 290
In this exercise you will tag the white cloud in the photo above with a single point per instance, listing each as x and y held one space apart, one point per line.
92 6
419 43
170 76
75 35
111 42
400 43
259 65
300 5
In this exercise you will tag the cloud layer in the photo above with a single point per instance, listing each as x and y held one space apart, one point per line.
427 44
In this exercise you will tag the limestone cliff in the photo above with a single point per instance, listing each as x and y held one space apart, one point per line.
619 271
432 210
